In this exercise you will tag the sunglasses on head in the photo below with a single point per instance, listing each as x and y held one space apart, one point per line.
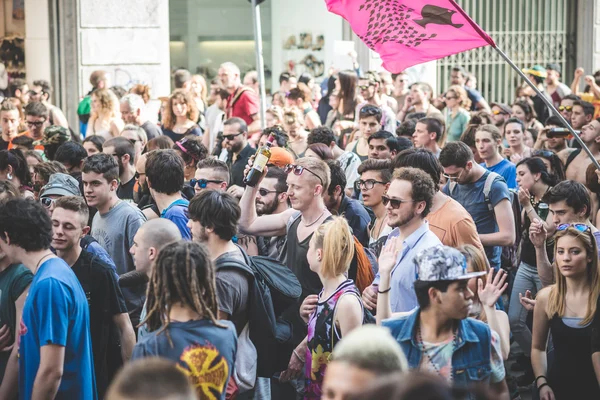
395 203
565 108
202 182
543 153
298 170
579 227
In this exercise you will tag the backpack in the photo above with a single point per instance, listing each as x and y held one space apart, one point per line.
510 254
273 288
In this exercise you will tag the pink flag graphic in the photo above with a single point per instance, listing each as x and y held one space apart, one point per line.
409 32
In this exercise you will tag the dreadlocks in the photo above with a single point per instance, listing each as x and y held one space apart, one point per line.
183 273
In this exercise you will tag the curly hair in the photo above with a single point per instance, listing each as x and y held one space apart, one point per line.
141 90
108 102
186 98
191 149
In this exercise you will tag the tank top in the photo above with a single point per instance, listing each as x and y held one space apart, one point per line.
571 375
355 151
322 338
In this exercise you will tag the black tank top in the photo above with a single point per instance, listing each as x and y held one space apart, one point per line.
572 375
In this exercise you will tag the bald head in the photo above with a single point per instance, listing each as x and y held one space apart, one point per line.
159 232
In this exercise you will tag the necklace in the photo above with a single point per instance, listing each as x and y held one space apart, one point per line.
381 223
424 350
40 262
314 222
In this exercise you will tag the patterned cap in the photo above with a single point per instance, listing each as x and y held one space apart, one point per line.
54 135
443 263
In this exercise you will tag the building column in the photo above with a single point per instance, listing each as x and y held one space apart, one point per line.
588 36
37 41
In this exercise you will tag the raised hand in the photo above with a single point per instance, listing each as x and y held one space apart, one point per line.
527 301
494 287
537 233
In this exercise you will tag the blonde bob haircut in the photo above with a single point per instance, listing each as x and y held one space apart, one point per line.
558 291
337 242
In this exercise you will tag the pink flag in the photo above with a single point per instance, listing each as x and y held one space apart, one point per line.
410 32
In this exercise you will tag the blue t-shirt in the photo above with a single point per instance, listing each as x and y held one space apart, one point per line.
177 212
471 197
505 169
56 312
203 351
474 96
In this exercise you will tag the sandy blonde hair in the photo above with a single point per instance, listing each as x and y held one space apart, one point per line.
461 93
337 242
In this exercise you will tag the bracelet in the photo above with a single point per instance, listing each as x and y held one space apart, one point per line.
542 385
384 291
297 355
541 376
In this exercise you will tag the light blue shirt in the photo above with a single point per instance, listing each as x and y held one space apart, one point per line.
402 295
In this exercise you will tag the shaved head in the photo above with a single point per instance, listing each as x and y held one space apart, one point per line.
159 232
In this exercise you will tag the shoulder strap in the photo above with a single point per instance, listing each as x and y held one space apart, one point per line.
571 157
293 219
487 187
233 263
237 96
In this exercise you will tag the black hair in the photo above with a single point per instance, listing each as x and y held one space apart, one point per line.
571 96
404 143
36 109
383 166
557 167
322 134
422 291
527 109
14 85
285 76
422 159
104 165
370 111
239 121
180 77
194 149
278 173
462 70
118 91
338 177
588 108
281 138
537 166
433 125
23 141
305 77
45 85
71 153
456 154
165 171
97 141
391 141
122 146
406 128
216 210
26 223
415 115
514 121
553 120
18 162
575 194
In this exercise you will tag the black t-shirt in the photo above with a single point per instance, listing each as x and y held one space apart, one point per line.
3 144
105 301
125 190
236 169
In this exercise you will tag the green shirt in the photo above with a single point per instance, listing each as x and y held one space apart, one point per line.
13 281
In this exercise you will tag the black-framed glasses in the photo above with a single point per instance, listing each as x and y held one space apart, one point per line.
565 108
367 185
36 124
47 201
264 192
395 203
231 137
579 227
298 170
203 182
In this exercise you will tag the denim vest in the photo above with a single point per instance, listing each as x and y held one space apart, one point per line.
471 360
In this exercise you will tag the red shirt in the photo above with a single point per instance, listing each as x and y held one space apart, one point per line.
243 105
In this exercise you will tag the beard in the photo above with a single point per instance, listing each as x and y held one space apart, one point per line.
202 236
267 209
403 220
236 147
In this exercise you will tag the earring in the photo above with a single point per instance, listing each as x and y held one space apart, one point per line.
9 176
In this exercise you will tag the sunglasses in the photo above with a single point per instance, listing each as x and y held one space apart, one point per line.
579 227
543 153
298 170
365 87
395 203
498 112
47 201
368 184
565 108
202 182
231 137
264 192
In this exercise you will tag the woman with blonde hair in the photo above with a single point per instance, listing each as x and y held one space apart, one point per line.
180 116
106 119
566 310
338 309
456 114
199 92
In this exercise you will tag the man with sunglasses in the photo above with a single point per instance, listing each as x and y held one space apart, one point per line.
369 85
41 92
124 152
272 199
210 174
566 106
500 114
408 201
493 215
235 141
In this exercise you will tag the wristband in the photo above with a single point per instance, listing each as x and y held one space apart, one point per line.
297 355
384 291
541 376
542 385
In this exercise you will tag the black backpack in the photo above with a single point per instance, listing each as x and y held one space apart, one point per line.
273 288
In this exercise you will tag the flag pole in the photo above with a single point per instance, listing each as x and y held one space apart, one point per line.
550 105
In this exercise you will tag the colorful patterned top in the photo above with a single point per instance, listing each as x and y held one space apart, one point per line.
322 338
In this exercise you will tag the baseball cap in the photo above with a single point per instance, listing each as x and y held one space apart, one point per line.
61 185
443 263
536 70
554 67
54 135
503 107
280 157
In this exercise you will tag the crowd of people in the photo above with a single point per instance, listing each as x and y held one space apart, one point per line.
397 245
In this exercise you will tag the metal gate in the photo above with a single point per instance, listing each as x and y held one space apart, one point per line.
530 32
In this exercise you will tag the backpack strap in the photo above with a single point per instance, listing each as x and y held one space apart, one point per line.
487 188
233 263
